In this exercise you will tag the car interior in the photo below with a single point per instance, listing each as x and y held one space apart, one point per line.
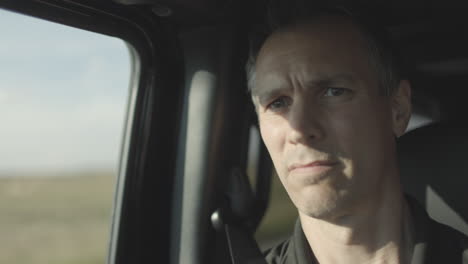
184 192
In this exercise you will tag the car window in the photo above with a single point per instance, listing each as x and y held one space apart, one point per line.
63 97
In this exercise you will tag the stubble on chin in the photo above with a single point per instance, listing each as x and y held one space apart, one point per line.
322 206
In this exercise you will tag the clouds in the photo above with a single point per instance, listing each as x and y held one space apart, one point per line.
63 95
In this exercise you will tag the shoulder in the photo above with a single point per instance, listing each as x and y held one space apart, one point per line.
279 253
434 241
294 250
447 244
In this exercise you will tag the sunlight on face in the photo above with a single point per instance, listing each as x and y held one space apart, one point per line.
326 127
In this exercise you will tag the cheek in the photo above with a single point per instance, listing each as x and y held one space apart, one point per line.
362 137
273 132
362 123
272 135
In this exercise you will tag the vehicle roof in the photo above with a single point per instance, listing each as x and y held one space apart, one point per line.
429 34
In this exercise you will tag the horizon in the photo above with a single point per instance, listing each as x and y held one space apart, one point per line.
63 96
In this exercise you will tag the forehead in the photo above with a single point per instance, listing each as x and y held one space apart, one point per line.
326 47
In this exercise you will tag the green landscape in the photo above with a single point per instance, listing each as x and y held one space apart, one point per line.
66 219
279 219
52 220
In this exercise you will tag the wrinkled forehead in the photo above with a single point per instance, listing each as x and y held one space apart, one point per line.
324 27
312 48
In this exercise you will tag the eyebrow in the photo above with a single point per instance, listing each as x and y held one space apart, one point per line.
325 81
265 94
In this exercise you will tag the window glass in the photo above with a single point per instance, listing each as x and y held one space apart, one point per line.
278 223
63 94
279 218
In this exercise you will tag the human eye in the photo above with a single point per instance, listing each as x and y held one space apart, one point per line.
334 91
278 104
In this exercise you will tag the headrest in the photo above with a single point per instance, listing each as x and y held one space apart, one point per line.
434 169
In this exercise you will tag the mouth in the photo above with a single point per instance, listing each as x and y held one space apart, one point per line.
311 167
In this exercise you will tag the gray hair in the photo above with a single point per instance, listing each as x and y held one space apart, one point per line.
382 55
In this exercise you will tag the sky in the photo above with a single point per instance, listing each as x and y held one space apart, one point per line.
63 96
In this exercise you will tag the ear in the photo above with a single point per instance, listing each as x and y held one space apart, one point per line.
401 107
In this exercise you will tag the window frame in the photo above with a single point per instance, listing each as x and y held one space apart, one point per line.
148 154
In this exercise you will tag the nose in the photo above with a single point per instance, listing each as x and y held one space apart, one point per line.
305 121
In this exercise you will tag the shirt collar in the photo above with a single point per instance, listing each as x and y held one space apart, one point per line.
300 250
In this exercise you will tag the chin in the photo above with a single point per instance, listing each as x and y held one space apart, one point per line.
321 205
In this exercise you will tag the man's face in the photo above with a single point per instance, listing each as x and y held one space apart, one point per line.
326 126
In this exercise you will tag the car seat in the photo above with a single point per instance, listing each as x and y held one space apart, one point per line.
434 170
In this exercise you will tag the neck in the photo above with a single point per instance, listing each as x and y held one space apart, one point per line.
373 232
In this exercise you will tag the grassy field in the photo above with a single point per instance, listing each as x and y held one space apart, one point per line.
278 222
66 220
55 220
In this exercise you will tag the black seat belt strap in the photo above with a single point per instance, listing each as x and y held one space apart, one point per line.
233 220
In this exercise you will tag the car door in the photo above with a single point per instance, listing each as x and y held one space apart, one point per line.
187 122
141 224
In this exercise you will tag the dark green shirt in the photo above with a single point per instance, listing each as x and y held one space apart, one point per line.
434 243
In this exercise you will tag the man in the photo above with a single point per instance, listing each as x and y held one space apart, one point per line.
330 103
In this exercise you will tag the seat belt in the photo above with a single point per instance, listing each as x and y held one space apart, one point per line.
233 219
